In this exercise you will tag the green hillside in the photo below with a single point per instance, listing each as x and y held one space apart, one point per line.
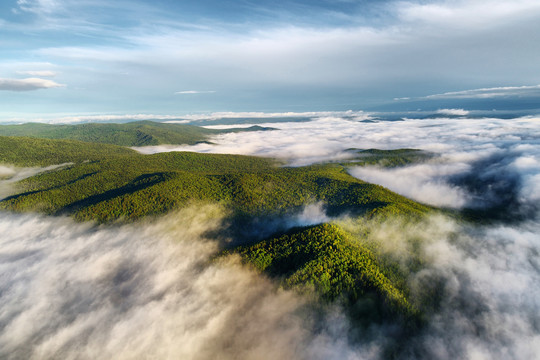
325 258
138 133
25 151
107 183
387 158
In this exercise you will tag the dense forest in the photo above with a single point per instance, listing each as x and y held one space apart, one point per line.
137 133
109 183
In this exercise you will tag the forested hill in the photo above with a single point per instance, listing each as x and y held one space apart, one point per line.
108 183
138 133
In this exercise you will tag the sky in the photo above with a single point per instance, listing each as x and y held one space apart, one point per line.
80 57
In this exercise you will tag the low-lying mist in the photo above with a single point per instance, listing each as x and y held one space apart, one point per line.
72 290
9 175
477 285
157 290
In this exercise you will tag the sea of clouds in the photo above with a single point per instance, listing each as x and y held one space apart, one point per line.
501 152
490 274
155 290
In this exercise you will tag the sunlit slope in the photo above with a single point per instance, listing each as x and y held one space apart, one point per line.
387 158
327 259
25 151
138 133
112 183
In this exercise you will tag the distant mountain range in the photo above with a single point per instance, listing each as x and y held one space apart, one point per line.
138 133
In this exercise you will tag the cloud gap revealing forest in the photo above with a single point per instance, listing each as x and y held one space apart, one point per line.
315 244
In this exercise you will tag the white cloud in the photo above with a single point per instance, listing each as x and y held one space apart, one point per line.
27 84
39 73
6 172
72 290
184 118
424 183
485 93
312 214
43 7
467 13
456 112
321 141
194 92
485 279
328 135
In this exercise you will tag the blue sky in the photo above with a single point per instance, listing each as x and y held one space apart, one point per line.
68 57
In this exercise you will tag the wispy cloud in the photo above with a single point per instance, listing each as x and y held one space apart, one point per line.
99 118
185 118
39 73
187 92
27 84
38 6
484 93
471 13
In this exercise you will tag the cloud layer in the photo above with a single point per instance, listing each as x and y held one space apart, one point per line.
296 56
426 183
486 93
28 84
189 92
456 112
152 290
482 283
40 73
147 291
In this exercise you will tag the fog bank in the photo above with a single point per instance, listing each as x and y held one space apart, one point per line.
478 286
486 294
147 291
